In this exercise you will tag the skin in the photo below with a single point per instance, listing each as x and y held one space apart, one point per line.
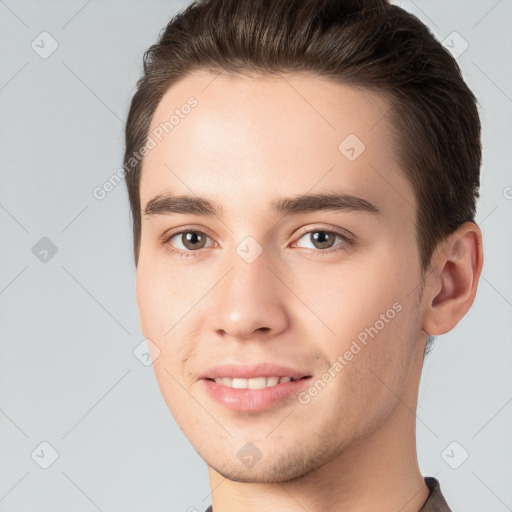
249 141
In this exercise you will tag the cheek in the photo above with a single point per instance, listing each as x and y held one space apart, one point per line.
163 308
373 314
372 373
159 297
160 311
350 299
176 395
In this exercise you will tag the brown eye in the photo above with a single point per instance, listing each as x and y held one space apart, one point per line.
323 239
190 240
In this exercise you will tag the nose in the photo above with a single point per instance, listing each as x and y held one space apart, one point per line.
248 300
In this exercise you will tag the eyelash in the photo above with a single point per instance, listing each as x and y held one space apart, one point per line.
315 252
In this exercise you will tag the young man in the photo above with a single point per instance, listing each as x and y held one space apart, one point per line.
302 177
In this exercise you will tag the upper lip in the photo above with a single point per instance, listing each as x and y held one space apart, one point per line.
253 370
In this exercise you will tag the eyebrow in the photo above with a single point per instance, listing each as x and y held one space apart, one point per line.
168 204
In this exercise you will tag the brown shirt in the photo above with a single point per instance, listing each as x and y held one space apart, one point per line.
435 501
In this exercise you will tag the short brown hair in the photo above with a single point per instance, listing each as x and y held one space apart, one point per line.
364 43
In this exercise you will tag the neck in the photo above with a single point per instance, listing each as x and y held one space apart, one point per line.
378 472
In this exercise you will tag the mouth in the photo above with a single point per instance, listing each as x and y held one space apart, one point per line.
254 388
260 382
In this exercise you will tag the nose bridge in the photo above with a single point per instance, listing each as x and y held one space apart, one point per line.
249 296
250 275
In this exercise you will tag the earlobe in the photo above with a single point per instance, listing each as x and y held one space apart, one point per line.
451 287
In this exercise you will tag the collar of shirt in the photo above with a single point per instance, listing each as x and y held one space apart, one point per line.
435 501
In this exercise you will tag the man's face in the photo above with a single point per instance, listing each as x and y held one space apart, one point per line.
301 287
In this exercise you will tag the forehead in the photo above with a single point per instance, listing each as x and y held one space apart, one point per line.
247 139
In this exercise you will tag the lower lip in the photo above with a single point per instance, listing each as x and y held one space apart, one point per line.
253 400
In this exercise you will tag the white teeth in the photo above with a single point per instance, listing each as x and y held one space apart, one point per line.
257 383
225 381
254 383
239 383
272 381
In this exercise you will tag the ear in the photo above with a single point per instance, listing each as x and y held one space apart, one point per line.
450 287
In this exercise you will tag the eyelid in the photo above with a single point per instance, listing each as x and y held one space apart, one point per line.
350 237
184 229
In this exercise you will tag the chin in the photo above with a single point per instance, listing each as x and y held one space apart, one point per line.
282 469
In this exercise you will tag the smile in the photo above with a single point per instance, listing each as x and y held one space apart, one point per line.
253 383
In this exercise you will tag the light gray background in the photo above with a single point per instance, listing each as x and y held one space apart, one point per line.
69 326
